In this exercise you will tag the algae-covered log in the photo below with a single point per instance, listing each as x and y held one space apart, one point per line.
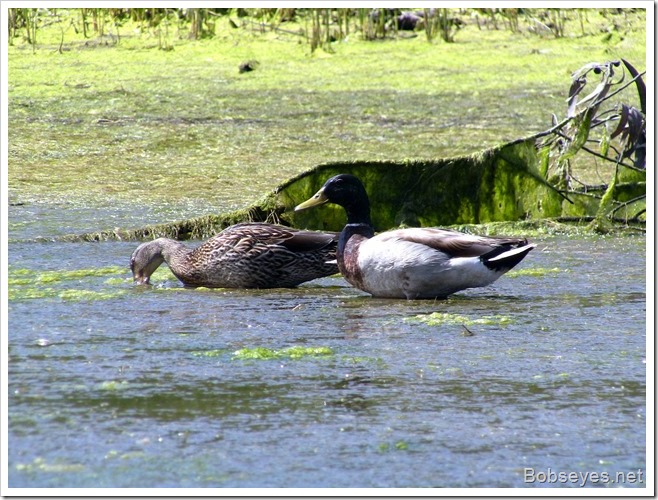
498 184
190 229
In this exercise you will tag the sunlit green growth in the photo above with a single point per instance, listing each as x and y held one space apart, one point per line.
209 354
536 272
437 319
24 293
79 295
29 284
113 385
40 465
19 276
295 352
399 446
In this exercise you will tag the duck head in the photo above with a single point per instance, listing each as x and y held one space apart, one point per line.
146 258
344 190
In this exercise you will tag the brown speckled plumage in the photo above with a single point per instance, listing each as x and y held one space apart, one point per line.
249 255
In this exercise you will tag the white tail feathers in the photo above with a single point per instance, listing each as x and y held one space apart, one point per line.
512 252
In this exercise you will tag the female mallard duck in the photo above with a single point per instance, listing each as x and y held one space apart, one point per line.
415 263
248 255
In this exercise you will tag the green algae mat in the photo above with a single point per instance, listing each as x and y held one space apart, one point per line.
497 185
439 131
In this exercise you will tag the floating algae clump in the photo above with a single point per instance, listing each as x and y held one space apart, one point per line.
264 353
437 319
210 354
70 285
87 295
295 352
54 276
25 276
536 272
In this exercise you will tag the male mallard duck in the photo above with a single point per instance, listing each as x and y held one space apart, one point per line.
415 263
248 255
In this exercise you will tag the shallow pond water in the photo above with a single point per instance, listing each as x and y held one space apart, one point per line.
112 385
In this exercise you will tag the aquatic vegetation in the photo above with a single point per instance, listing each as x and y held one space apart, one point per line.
65 113
397 446
113 385
80 295
39 464
361 360
210 354
25 293
161 274
438 319
536 272
294 352
52 276
116 281
69 285
265 353
55 276
92 128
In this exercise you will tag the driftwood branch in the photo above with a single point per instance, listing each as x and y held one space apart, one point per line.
571 135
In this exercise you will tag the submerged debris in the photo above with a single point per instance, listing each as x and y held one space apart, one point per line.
247 66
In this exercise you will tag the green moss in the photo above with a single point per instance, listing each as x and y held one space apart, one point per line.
197 228
501 184
27 293
12 282
300 352
494 185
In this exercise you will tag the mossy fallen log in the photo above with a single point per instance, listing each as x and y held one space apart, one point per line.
189 229
498 184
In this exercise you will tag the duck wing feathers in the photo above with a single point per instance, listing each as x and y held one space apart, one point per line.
294 240
453 243
261 255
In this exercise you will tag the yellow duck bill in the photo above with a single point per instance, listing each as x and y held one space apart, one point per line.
318 198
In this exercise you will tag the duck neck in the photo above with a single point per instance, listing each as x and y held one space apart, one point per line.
364 230
357 208
171 251
358 212
358 224
347 253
